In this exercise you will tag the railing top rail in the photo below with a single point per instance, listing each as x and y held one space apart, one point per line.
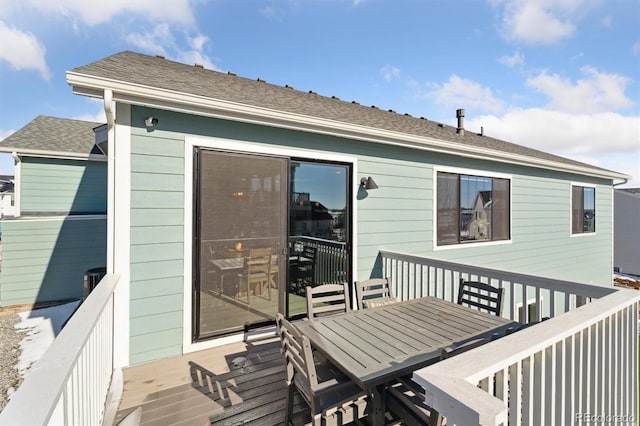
587 290
36 398
457 377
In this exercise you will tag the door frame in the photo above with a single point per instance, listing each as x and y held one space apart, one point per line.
222 144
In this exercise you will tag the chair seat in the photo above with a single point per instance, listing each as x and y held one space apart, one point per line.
405 401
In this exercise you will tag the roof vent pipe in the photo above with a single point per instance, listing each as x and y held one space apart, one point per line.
460 117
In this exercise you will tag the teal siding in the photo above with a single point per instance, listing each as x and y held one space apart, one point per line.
398 216
45 260
63 186
157 247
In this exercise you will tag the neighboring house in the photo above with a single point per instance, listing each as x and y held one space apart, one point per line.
626 239
59 228
7 200
203 167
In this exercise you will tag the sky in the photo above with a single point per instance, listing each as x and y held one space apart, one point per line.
562 76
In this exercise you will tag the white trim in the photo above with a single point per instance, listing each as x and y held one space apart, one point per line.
582 234
51 218
190 143
40 153
119 244
17 184
471 172
154 97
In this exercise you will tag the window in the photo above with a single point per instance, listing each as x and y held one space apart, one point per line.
583 209
472 208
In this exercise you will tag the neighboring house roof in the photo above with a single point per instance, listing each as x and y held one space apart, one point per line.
156 82
51 136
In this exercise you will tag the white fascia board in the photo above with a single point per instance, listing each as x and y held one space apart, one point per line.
136 94
53 154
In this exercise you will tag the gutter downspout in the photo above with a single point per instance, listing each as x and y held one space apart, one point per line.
108 110
17 186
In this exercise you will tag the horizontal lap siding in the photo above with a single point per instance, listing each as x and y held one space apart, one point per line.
541 233
45 260
63 186
157 247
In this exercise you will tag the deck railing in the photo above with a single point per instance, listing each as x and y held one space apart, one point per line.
70 383
578 367
331 259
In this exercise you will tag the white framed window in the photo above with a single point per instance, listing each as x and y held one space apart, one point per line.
472 207
583 209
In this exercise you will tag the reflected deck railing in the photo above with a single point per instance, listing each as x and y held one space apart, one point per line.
331 258
579 367
70 383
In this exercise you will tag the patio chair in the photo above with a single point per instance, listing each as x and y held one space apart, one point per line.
333 398
374 292
256 272
327 299
481 296
404 401
303 268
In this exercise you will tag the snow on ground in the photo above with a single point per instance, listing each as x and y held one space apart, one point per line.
41 326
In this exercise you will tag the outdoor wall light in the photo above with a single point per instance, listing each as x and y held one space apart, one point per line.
368 183
150 121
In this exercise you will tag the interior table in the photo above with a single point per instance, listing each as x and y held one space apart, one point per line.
375 346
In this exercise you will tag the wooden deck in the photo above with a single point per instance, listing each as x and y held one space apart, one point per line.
241 383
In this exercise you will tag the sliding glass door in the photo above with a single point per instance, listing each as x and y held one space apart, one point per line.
265 228
319 228
240 241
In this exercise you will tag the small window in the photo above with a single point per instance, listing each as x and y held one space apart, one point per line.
583 209
472 209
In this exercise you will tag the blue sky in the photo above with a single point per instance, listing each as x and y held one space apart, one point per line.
562 76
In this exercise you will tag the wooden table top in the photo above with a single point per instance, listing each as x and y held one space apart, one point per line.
374 346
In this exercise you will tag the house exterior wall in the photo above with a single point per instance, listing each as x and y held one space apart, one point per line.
398 216
44 259
62 186
627 232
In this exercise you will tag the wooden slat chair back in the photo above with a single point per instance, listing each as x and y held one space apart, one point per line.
332 397
481 296
327 299
374 292
256 273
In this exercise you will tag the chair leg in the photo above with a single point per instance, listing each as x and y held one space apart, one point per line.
288 417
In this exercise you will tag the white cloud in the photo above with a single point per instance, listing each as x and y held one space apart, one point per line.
556 131
98 12
542 21
515 60
22 50
463 93
389 72
595 92
162 40
99 117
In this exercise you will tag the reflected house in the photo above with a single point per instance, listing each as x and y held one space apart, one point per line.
478 224
311 217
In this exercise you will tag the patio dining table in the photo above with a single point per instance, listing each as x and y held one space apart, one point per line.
375 346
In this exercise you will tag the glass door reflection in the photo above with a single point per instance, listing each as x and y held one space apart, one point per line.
319 228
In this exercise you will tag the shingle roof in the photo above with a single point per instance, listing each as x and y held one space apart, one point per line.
157 72
51 134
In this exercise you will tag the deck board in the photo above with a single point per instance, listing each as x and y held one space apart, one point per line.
206 387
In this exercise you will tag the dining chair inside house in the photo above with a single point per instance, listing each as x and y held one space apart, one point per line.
256 274
303 271
327 299
481 296
332 397
374 292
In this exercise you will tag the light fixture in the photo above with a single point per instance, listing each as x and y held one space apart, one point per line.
150 121
368 183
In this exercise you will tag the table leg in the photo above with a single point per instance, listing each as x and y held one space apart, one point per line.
378 407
